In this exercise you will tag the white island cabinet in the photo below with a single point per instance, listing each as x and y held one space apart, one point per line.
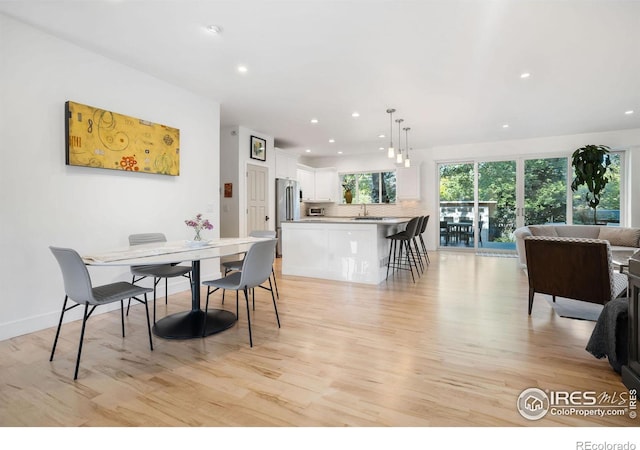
343 249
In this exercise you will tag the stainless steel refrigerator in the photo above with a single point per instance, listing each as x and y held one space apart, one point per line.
287 206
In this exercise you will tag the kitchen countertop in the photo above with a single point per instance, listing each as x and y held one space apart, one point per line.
360 219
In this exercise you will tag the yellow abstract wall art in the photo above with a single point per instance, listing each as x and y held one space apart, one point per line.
99 138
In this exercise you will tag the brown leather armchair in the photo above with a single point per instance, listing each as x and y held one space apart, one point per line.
574 268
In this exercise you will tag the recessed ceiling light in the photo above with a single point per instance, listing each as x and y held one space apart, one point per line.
339 153
214 29
308 150
506 125
628 113
525 75
355 114
381 136
243 69
314 120
381 148
331 141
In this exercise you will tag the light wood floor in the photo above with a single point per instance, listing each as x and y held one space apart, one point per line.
454 349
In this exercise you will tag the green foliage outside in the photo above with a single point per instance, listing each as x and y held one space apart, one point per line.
545 193
370 187
545 190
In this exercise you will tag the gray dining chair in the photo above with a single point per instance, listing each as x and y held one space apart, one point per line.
237 264
79 289
255 271
157 271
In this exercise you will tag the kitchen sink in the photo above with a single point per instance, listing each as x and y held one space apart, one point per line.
368 218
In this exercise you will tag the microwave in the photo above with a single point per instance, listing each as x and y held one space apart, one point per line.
313 211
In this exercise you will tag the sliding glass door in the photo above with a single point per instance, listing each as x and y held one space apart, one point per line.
457 204
478 205
545 190
497 205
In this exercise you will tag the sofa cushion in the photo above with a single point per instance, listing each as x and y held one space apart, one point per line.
578 231
543 231
626 237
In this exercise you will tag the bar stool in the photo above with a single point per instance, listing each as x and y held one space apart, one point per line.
421 246
401 243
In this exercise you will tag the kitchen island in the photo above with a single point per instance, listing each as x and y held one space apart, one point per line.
352 249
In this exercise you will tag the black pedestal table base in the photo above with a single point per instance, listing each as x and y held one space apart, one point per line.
191 324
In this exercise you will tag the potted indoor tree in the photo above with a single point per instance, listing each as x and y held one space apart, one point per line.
590 164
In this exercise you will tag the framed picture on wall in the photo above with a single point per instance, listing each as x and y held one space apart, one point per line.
258 148
108 140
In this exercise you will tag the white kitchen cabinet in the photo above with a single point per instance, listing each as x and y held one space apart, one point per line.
286 165
408 182
326 183
306 178
318 185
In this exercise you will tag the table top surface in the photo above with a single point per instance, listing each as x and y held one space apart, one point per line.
171 252
353 220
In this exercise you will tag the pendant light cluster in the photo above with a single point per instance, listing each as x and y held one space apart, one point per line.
392 153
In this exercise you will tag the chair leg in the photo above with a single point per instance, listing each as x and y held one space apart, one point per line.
273 273
531 292
122 314
389 260
424 249
166 291
408 250
55 341
274 303
246 297
417 253
206 308
146 308
84 324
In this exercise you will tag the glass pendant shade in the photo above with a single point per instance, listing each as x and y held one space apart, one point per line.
399 158
392 151
407 161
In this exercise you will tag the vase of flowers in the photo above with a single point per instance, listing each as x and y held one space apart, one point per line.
348 188
198 224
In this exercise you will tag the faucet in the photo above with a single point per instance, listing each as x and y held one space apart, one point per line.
364 206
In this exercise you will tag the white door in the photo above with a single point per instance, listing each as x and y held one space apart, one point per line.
257 198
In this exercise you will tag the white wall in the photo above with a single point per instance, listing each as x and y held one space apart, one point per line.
229 173
44 202
235 156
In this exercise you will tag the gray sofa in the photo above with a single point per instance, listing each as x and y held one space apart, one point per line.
620 238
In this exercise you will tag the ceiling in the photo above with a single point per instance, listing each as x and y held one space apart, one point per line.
451 68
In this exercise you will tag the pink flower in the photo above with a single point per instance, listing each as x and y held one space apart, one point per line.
199 223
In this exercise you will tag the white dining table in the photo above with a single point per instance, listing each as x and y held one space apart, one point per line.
187 324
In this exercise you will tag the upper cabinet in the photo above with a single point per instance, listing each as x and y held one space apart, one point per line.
318 185
306 178
326 181
408 182
286 165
